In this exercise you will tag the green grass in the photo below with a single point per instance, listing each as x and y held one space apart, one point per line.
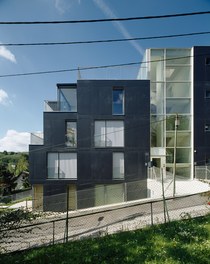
185 241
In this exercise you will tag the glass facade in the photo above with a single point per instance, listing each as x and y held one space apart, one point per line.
170 73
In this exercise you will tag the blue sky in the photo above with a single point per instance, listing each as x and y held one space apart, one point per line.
22 98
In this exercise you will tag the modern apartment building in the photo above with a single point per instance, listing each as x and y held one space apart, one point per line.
180 108
96 145
101 135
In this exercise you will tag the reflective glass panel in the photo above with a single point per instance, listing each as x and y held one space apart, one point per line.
178 73
183 155
157 98
184 122
71 134
100 134
109 134
114 133
68 99
118 102
52 163
157 65
118 165
68 165
177 106
178 56
157 131
178 90
183 139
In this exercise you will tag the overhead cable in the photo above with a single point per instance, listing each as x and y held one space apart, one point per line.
103 20
97 67
105 40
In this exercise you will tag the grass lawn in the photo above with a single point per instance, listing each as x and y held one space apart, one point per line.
185 241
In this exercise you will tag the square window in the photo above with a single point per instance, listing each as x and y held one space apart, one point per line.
62 165
118 101
109 133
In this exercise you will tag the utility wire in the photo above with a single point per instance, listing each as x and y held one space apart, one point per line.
70 70
95 67
105 40
102 20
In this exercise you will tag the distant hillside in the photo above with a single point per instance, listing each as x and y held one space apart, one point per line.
11 157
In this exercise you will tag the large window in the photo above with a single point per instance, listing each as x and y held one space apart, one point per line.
62 165
118 165
109 134
71 134
108 194
68 99
118 101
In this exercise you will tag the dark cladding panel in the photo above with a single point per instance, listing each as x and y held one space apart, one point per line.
94 98
37 164
101 166
201 103
84 128
84 168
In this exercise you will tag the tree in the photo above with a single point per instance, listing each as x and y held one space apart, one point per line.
11 167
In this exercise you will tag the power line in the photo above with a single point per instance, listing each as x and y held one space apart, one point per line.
105 40
102 20
96 67
70 70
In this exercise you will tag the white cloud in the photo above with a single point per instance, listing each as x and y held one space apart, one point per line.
15 141
4 98
110 14
7 54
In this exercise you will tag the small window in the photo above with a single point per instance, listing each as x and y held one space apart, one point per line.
207 127
208 61
118 165
71 134
118 101
207 161
207 93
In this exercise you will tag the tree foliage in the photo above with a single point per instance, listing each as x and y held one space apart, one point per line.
11 166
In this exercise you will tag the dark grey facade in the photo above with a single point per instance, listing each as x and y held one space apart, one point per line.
202 105
95 163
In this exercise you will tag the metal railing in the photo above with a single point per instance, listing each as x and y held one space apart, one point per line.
53 228
202 172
